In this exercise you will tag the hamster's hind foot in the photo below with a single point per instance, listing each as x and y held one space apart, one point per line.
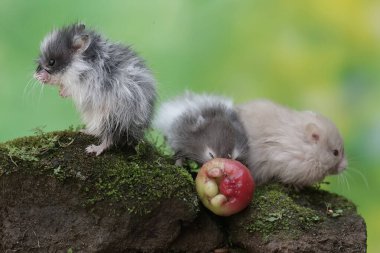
85 131
98 149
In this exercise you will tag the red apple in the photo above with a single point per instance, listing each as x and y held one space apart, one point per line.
224 186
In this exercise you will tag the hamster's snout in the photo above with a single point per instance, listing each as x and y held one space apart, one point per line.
340 166
43 76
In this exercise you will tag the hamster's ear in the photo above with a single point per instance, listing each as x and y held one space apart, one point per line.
81 42
313 133
198 123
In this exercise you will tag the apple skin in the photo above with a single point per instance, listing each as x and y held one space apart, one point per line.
224 186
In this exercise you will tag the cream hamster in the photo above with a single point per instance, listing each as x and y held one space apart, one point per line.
298 148
201 127
109 83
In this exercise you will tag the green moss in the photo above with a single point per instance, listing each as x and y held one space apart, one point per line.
136 179
280 211
276 211
142 183
43 143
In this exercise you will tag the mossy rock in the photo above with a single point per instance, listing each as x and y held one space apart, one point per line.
282 219
57 198
52 190
135 178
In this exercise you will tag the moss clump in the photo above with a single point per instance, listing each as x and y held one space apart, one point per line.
279 211
31 152
275 211
135 178
142 181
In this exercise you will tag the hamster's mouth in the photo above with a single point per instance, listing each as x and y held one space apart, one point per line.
42 76
340 166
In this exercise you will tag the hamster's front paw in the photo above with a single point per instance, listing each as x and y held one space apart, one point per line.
63 92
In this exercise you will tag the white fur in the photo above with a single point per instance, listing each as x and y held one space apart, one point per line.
95 105
235 153
48 39
282 145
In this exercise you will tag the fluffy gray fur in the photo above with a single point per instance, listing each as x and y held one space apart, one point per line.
200 127
111 86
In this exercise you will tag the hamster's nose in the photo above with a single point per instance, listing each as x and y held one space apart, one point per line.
342 165
42 76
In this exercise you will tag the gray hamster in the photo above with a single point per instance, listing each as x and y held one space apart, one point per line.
109 83
298 148
201 127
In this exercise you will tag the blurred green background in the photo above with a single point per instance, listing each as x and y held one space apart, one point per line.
320 55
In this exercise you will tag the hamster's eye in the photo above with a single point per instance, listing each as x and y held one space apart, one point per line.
211 155
51 62
335 152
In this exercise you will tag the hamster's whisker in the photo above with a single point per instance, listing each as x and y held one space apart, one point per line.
362 176
32 87
41 92
27 86
339 180
36 85
348 176
195 156
346 180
